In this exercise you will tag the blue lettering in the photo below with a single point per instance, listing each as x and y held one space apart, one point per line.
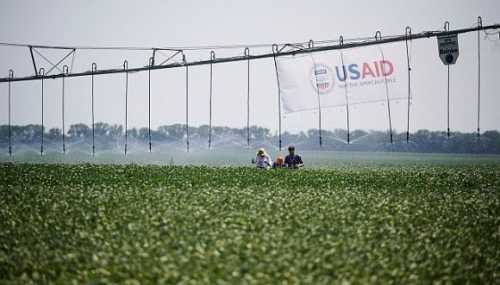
338 75
353 69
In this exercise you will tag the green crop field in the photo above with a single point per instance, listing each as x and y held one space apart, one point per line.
135 224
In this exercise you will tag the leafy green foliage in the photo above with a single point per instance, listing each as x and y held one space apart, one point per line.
151 224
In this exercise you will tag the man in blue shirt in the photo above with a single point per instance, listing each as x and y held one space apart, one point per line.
293 160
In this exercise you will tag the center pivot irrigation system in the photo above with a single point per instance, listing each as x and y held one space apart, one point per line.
278 50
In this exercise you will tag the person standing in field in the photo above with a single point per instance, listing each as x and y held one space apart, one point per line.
280 162
263 160
293 160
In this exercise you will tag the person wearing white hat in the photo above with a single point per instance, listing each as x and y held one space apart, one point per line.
263 160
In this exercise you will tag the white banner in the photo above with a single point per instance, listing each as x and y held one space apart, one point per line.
317 80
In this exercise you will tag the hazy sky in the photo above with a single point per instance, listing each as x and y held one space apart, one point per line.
187 23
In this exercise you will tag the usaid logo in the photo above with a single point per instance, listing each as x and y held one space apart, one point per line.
322 79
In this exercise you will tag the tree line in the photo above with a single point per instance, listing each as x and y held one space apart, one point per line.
109 137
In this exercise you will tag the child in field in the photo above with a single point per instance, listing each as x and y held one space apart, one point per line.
280 162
